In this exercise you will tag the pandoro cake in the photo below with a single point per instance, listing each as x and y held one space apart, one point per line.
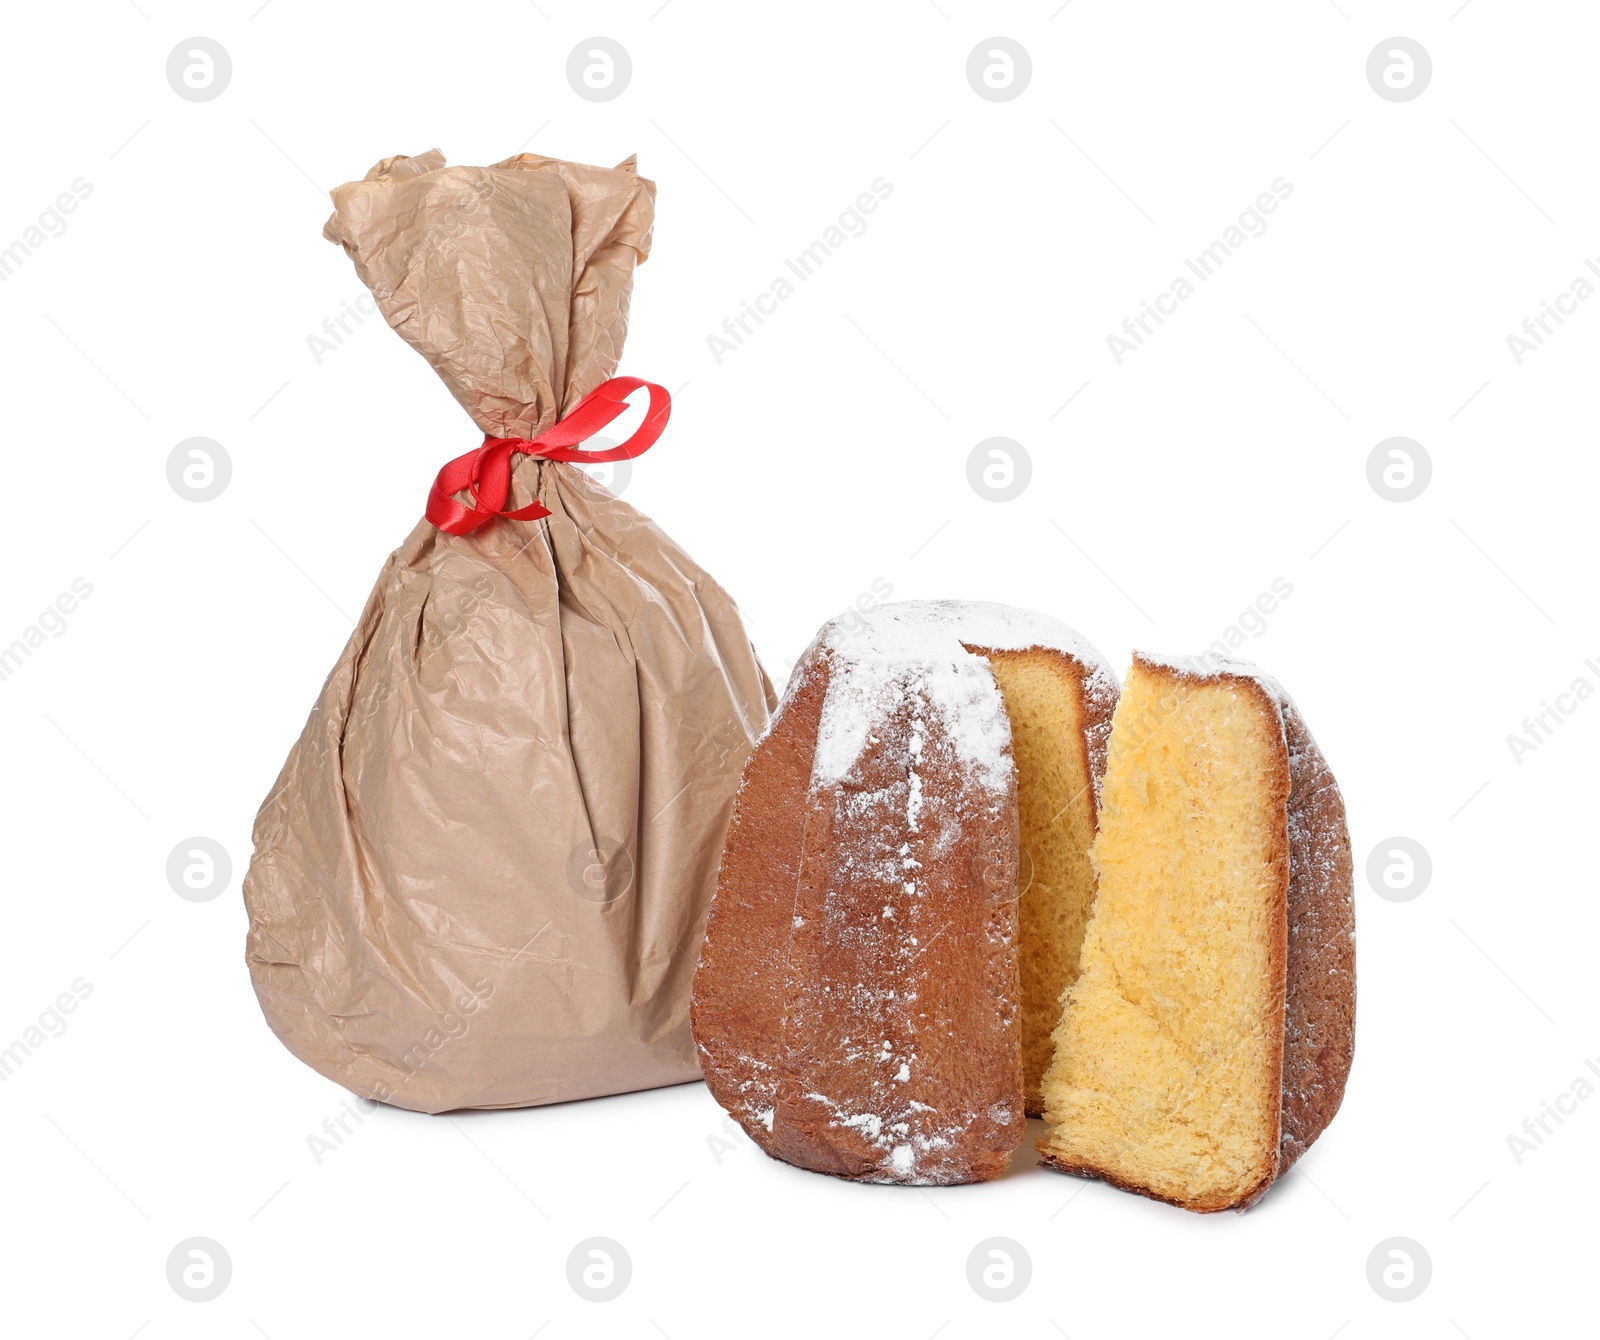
877 991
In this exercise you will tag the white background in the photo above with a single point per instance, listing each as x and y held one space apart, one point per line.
830 450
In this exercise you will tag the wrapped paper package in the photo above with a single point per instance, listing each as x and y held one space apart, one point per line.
481 879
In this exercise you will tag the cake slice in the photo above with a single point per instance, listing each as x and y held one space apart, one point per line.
1059 704
1206 1041
870 1001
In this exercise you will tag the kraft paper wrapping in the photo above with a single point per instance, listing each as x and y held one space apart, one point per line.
481 878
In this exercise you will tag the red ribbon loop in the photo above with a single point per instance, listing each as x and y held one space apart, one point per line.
486 473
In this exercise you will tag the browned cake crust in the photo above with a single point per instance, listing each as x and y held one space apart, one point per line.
736 1009
1099 694
1312 956
855 1005
1320 1016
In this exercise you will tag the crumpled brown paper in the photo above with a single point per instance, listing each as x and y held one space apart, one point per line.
481 878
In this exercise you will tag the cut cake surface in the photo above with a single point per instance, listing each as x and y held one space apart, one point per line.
1206 1042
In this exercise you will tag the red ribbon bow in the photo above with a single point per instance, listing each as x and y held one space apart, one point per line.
486 472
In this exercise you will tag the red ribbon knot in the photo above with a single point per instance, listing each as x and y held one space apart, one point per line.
485 474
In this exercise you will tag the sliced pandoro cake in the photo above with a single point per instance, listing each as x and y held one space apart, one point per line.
872 999
1207 1038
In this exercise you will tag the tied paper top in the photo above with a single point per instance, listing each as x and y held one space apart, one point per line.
512 280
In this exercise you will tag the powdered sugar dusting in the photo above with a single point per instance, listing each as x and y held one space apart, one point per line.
919 648
943 680
908 627
898 979
913 1157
